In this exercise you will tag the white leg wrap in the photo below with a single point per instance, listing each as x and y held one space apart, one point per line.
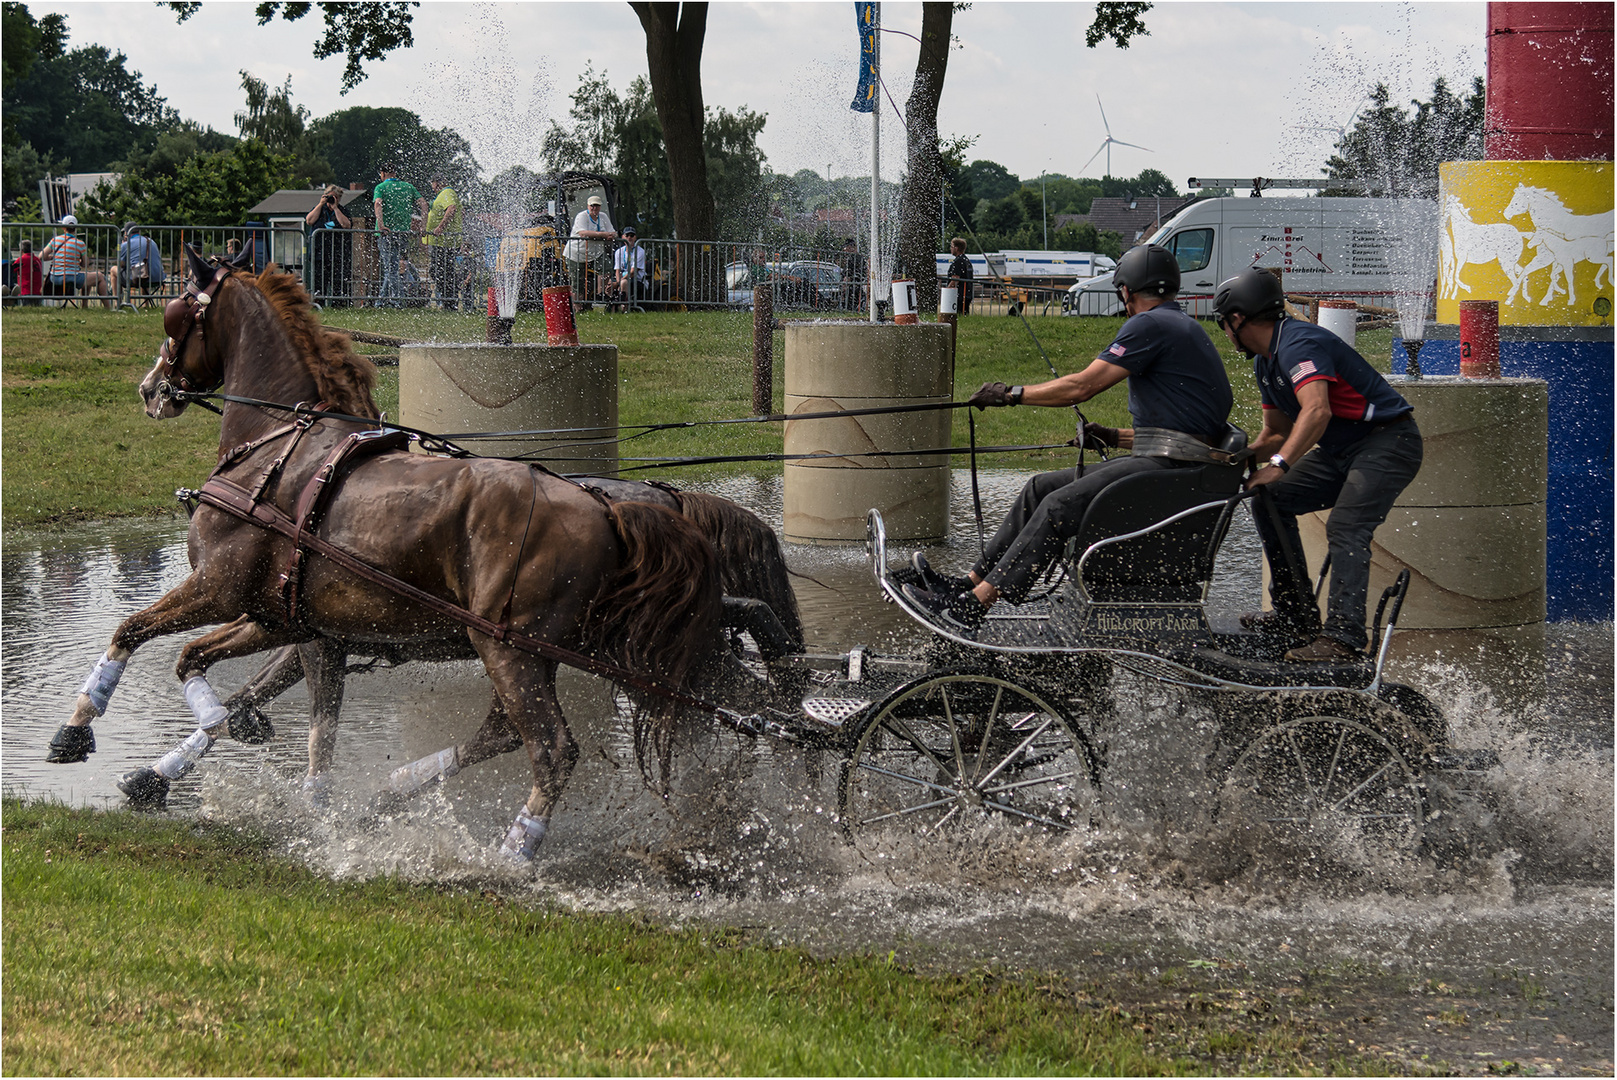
179 761
523 838
102 682
408 779
317 789
204 703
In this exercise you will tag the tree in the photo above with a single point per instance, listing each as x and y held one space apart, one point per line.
271 118
623 137
210 188
674 38
81 108
989 180
1390 152
359 30
358 139
923 188
1118 21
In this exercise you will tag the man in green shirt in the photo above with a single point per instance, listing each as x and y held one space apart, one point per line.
443 240
395 202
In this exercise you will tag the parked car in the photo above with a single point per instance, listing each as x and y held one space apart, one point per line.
1338 248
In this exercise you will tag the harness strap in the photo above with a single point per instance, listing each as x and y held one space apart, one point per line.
226 495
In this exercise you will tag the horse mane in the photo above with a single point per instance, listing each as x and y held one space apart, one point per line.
344 378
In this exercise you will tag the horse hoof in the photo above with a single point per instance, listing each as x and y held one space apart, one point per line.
144 787
317 791
71 745
250 726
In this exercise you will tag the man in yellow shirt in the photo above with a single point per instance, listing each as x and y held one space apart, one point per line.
443 240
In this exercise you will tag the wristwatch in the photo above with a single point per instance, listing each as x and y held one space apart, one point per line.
1279 462
1014 396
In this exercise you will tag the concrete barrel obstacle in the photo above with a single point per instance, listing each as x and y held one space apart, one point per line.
480 387
839 366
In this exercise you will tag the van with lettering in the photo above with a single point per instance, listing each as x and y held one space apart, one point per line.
1328 248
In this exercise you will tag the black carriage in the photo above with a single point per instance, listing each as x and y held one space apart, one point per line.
1004 720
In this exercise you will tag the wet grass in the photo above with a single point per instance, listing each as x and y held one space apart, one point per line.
77 446
140 945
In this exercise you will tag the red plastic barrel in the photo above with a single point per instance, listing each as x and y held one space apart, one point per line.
559 327
493 309
1549 82
1479 339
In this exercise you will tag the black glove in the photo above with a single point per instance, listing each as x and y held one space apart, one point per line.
1096 436
992 395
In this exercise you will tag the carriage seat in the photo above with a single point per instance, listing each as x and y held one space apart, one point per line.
1125 564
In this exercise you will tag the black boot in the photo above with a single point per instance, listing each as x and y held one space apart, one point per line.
71 745
935 580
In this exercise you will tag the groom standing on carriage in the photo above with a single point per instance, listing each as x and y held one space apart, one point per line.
1179 396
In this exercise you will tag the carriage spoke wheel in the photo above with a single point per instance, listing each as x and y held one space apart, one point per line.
948 748
1326 781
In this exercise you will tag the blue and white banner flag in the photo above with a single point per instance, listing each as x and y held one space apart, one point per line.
868 16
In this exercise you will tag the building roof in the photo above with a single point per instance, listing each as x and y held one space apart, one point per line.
1133 225
300 201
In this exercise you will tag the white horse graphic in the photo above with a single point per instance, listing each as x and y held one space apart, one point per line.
1465 243
1560 240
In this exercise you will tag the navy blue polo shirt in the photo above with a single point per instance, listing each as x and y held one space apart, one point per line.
1305 352
1176 377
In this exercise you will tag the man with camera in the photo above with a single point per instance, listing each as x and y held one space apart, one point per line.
329 249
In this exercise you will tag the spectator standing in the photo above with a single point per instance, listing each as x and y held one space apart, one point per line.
140 265
468 269
394 201
30 275
442 240
586 251
960 273
66 256
329 247
855 274
629 268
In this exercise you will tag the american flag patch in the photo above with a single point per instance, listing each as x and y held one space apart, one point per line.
1116 349
1303 370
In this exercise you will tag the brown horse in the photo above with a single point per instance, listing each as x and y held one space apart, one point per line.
525 555
750 562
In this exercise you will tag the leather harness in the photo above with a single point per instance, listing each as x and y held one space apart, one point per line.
247 504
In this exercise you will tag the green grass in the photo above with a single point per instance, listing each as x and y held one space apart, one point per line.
76 444
160 947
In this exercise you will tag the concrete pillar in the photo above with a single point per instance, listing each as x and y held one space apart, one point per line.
1470 527
833 366
478 387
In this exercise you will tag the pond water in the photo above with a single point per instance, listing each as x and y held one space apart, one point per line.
747 838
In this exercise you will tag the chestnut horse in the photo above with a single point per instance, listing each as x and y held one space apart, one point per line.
524 555
751 565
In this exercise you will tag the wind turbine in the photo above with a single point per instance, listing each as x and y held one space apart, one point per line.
1106 144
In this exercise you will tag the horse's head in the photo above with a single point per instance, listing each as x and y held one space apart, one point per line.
1532 201
185 364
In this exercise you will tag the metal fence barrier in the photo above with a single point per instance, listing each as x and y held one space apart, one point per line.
343 267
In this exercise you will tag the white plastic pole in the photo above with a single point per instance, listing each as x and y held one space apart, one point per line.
875 173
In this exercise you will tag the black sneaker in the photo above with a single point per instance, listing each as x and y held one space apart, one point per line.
962 612
934 581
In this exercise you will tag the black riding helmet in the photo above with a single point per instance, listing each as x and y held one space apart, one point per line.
1148 268
1253 294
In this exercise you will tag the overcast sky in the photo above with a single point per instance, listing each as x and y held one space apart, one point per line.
1217 89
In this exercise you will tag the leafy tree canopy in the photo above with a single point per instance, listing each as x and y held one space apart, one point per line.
622 136
359 30
1395 151
356 140
1118 21
80 109
209 188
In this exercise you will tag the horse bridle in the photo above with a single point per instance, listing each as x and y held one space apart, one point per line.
183 316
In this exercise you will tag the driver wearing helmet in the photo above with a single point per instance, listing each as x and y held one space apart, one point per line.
1336 437
1179 397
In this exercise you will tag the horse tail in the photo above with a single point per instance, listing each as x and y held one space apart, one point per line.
751 563
657 615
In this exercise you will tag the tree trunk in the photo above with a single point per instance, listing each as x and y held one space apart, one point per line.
674 35
923 188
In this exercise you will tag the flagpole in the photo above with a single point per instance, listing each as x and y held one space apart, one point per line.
875 169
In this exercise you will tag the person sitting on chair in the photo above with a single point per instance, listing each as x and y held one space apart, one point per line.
140 266
1342 440
629 270
1179 396
65 257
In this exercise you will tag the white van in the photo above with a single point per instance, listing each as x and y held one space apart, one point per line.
1338 248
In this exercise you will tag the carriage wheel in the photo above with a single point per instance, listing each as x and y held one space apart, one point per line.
950 747
1324 781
